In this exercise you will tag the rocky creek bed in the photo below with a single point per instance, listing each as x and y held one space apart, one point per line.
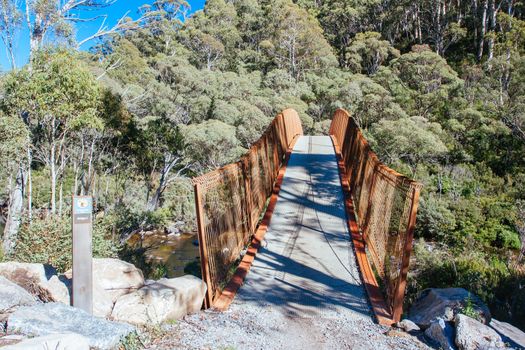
173 255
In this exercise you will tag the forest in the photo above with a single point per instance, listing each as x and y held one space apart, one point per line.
437 86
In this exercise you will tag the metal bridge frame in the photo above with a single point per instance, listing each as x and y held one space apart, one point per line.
269 167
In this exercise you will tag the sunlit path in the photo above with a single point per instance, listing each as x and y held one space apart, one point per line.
306 266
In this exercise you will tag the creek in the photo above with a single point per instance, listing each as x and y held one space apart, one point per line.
177 254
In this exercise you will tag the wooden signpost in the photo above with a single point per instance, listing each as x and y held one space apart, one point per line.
82 220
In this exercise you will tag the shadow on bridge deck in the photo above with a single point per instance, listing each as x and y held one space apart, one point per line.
306 266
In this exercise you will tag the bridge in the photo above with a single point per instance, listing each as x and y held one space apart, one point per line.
312 225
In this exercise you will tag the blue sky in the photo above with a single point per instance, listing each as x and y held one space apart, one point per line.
114 13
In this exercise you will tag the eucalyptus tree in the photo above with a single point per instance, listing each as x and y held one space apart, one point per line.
413 140
422 82
10 24
298 44
212 144
212 35
56 96
13 145
367 52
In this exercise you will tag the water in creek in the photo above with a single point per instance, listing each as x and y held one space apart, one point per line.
178 254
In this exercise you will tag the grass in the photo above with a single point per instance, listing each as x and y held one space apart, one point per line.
469 309
145 336
132 342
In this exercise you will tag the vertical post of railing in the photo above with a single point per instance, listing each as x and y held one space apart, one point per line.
405 261
286 141
248 193
276 162
203 249
371 193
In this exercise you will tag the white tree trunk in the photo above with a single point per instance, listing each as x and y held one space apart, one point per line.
14 216
483 30
53 175
29 185
60 198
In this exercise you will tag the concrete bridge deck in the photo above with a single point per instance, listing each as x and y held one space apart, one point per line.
306 266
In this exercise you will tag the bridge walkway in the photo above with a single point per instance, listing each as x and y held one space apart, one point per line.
306 266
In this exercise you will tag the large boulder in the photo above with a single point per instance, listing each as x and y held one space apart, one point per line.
112 278
52 318
38 279
13 296
509 334
441 333
474 335
67 341
166 299
445 303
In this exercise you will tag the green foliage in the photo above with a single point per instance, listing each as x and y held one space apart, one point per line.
488 277
439 98
132 341
213 143
422 82
412 140
57 86
13 140
159 271
13 145
367 52
49 241
468 309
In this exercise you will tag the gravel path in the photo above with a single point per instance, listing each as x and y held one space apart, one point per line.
304 290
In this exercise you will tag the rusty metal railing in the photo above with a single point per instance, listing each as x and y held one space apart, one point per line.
385 205
230 201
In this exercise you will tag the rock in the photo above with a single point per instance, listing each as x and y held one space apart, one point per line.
166 299
442 333
407 325
173 235
474 335
509 334
436 303
395 333
67 341
38 279
13 296
112 278
172 230
52 318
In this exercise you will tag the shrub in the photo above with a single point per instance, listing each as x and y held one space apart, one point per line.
49 241
498 284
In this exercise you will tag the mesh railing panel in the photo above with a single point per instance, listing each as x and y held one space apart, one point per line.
385 204
231 200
